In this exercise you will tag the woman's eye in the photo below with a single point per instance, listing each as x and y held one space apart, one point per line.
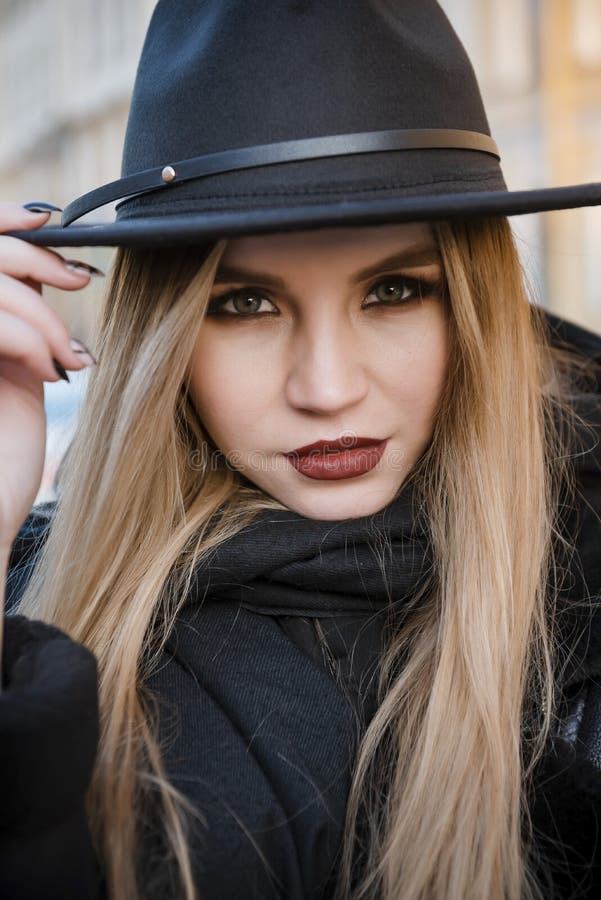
242 302
396 291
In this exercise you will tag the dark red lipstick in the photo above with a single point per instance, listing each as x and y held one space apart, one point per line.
346 457
349 442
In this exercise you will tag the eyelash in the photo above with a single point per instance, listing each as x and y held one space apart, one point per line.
420 287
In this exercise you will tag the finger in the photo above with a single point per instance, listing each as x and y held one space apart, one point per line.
14 216
34 285
20 300
24 260
21 343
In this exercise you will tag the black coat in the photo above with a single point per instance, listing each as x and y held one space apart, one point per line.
260 737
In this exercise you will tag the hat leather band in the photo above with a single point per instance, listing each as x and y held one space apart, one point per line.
271 154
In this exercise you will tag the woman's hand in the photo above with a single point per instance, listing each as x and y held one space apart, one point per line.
31 336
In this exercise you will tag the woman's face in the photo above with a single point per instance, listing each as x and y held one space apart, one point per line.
324 335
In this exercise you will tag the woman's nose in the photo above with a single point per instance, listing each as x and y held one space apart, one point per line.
326 372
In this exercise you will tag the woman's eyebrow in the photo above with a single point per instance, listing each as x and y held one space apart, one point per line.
418 255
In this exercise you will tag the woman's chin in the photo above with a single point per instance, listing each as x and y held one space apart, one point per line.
348 498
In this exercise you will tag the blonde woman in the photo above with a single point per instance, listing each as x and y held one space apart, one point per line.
314 614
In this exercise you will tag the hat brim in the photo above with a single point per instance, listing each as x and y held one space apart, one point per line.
176 230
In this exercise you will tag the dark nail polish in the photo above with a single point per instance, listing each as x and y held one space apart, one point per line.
37 206
75 265
60 370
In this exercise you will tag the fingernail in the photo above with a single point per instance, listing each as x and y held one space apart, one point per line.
60 370
75 265
39 206
86 355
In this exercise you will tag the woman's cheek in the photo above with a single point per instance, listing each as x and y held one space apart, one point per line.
230 393
427 379
420 382
419 360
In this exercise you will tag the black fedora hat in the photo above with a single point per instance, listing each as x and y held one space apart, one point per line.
253 116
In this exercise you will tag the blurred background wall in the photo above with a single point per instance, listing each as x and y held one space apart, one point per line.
67 69
539 67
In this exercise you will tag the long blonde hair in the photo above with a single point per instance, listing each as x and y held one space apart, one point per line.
439 777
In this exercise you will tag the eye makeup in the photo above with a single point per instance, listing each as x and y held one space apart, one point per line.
419 287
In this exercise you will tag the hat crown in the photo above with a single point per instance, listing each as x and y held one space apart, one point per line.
222 74
250 116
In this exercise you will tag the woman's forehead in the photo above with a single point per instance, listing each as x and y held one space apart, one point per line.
358 242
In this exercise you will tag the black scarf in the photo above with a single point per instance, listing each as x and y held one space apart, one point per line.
332 586
284 564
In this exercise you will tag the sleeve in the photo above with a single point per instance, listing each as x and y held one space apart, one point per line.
48 740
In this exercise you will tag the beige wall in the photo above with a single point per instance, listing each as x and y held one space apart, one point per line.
66 72
539 67
571 103
67 68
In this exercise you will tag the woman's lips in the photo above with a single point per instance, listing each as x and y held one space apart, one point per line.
345 463
347 442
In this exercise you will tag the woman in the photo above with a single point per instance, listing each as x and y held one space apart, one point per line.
365 670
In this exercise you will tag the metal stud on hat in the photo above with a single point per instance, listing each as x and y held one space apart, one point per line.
237 134
168 174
